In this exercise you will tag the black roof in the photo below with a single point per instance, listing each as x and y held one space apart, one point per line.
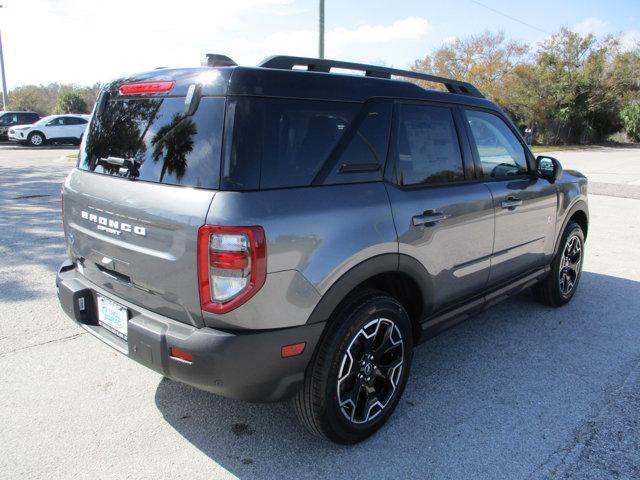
276 77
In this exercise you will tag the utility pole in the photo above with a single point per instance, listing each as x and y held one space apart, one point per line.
4 80
321 31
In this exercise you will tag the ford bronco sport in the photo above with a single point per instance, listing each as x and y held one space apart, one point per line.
285 231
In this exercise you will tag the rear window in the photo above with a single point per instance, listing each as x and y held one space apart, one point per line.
279 143
151 139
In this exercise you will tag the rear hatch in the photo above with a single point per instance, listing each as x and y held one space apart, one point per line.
147 173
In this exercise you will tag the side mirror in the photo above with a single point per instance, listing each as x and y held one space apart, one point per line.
548 168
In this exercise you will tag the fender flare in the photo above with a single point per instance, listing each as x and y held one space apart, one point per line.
385 263
579 205
36 131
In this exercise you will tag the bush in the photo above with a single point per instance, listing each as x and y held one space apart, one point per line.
71 102
630 116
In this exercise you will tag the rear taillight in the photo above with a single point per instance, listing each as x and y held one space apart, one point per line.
145 87
232 266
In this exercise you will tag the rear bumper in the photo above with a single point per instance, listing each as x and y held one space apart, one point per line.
244 365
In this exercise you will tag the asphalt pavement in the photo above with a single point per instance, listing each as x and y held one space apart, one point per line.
521 391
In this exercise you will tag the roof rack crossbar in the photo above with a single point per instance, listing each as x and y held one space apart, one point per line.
285 62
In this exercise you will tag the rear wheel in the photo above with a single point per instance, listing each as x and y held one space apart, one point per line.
359 372
561 284
36 139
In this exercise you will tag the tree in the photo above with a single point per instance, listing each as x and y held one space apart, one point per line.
27 98
630 116
579 87
71 102
486 60
571 90
43 99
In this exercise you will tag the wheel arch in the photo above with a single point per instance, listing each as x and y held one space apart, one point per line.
33 132
578 213
400 276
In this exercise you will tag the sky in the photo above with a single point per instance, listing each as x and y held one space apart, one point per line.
88 41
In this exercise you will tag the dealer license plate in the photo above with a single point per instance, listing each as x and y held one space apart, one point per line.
112 316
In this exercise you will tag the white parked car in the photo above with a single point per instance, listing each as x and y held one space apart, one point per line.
54 128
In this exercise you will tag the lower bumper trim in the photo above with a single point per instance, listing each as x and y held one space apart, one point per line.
245 365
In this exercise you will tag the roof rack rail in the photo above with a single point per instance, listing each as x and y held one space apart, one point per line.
285 62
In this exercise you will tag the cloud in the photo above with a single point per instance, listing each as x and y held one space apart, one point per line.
339 42
593 25
84 41
630 40
410 28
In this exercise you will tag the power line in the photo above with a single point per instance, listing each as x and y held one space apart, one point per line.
510 17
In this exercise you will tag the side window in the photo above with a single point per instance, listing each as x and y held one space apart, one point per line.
361 156
280 143
55 122
427 146
74 121
9 119
500 152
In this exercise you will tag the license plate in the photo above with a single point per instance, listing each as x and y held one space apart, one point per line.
112 316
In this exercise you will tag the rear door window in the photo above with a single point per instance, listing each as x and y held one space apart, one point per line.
151 139
74 121
427 146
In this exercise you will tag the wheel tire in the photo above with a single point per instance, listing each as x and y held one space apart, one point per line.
36 139
318 402
553 289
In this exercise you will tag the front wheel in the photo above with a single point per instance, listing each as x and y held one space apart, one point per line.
561 284
36 139
359 372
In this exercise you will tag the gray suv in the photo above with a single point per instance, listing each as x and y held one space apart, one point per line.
285 231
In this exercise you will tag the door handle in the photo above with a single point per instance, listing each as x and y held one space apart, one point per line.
429 218
511 203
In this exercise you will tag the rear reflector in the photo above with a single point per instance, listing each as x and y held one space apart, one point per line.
146 87
181 354
293 350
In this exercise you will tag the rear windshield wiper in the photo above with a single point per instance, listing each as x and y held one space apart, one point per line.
125 165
